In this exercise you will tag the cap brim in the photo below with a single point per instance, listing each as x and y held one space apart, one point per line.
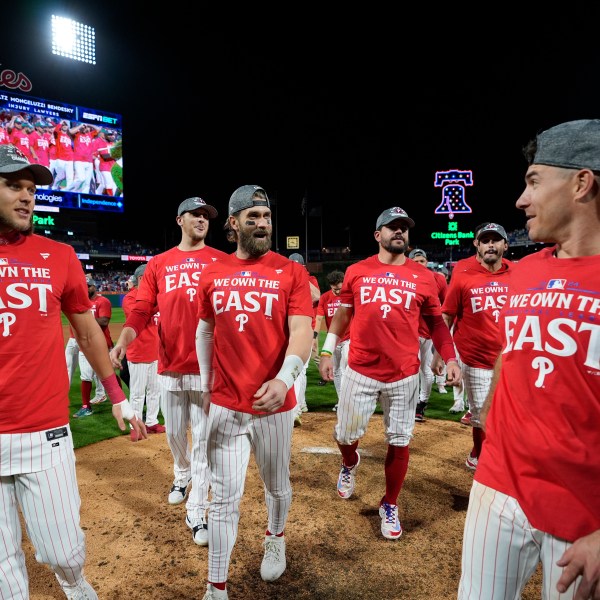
41 174
408 220
211 210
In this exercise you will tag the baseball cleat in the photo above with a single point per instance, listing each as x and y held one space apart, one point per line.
273 563
83 412
178 494
199 531
98 399
390 523
471 462
213 593
347 480
158 428
466 418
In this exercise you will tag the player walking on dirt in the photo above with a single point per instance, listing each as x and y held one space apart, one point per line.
254 337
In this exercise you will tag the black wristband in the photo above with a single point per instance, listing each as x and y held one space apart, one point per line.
315 335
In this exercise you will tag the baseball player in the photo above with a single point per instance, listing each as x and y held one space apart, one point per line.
385 296
72 360
302 380
39 278
329 302
426 375
102 311
142 362
170 286
254 337
536 492
476 294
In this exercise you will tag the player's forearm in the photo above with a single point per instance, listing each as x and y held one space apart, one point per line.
301 337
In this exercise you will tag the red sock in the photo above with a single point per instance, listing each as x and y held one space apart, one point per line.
349 456
396 466
478 439
220 586
267 532
86 393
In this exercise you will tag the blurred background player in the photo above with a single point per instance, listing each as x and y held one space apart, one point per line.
302 381
102 311
329 302
142 363
252 412
170 286
476 294
426 375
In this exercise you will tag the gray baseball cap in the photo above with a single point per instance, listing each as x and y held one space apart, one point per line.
391 214
242 198
140 270
91 282
417 252
191 204
493 228
12 160
572 145
297 258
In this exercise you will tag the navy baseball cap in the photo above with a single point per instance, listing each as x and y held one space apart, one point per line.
571 145
12 160
242 198
493 228
192 204
392 214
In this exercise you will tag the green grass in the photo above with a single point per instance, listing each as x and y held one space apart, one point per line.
102 425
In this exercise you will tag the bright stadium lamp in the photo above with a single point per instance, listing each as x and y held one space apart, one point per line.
73 40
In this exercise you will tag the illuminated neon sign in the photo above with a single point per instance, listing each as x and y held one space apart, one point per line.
453 184
453 236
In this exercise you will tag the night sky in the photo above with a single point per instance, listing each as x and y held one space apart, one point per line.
356 112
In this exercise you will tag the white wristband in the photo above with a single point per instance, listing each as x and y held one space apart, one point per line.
331 341
290 369
126 410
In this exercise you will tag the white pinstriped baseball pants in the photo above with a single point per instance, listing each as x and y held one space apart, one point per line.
143 386
340 362
182 410
358 400
230 439
50 502
477 384
426 375
501 550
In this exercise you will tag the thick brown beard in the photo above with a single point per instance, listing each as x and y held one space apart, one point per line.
254 246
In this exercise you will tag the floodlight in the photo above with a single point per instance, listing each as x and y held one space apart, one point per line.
73 40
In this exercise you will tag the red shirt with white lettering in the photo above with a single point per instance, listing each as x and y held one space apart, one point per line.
101 307
542 432
328 304
250 301
144 349
474 299
388 301
39 278
170 284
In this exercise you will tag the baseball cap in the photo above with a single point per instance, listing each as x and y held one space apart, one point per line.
191 204
417 252
242 198
493 228
12 160
391 214
91 282
297 258
572 145
140 270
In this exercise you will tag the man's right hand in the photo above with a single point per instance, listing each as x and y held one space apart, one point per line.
116 356
326 367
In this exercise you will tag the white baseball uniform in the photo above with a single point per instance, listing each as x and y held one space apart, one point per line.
39 278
